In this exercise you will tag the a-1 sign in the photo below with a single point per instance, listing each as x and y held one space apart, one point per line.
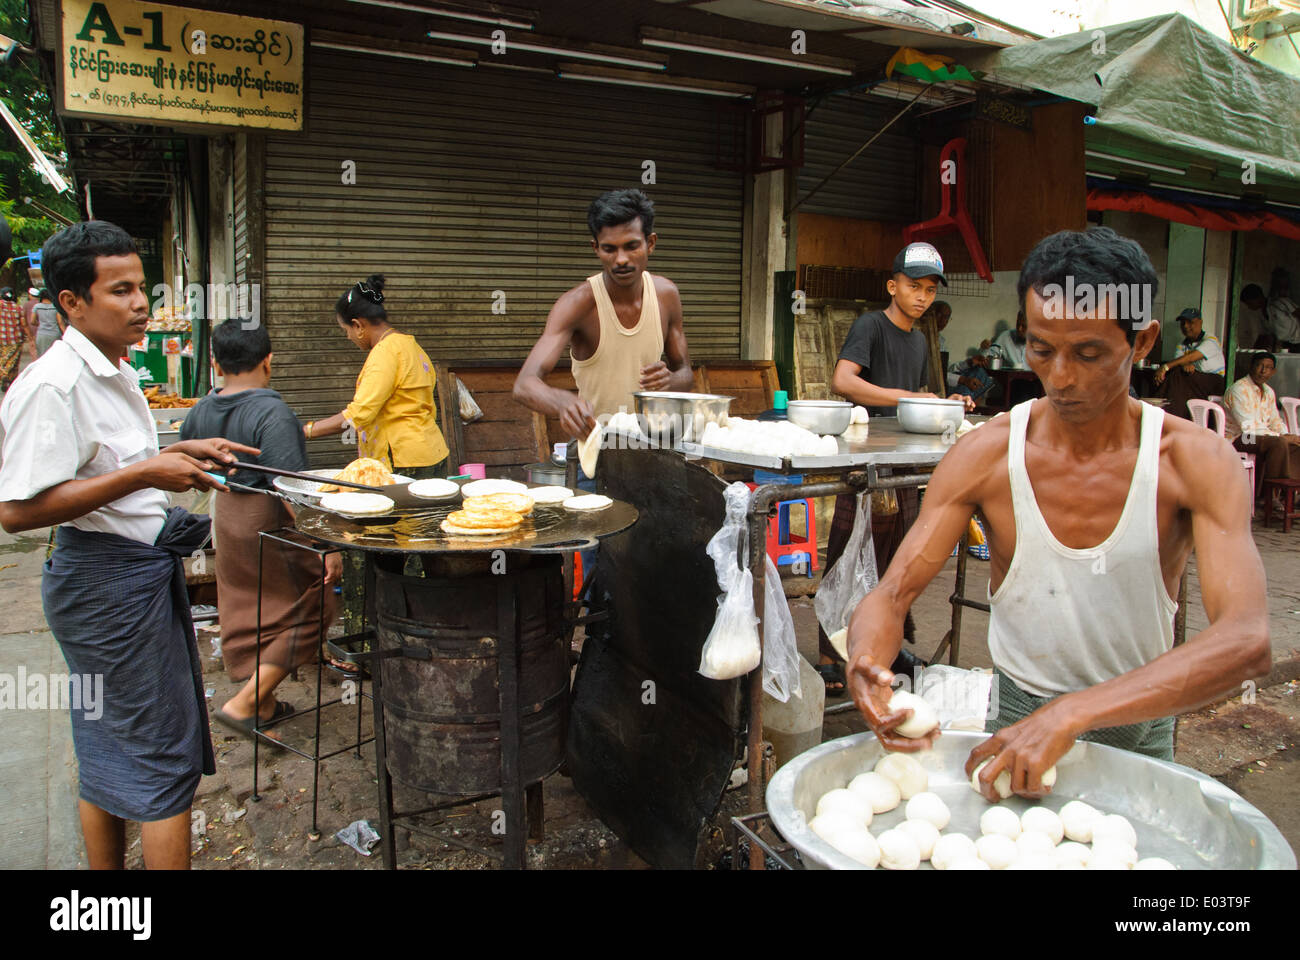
160 64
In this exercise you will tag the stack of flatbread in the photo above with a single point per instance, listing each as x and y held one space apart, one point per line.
489 515
370 472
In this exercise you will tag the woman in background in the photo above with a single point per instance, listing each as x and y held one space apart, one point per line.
13 334
393 410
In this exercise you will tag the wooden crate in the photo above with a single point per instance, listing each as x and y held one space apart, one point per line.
751 382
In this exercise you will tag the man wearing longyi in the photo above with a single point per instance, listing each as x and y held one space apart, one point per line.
618 325
80 450
1093 502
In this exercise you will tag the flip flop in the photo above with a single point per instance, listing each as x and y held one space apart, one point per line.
244 726
833 673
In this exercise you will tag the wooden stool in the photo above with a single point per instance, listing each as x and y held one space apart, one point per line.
1288 490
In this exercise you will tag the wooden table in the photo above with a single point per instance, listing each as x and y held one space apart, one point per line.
1005 377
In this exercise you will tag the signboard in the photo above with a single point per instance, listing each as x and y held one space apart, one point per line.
158 64
1004 111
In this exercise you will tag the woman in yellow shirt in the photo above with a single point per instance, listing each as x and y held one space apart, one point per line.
393 410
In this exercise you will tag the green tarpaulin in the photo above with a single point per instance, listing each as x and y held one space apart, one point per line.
1168 82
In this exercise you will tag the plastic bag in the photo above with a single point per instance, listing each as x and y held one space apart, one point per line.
851 578
469 409
732 648
780 650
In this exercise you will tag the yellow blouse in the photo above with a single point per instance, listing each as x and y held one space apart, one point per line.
393 409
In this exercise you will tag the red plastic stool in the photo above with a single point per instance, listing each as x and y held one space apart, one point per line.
786 548
1288 490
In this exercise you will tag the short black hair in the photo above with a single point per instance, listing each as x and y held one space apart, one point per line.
6 293
1262 356
43 294
1097 257
240 345
68 257
1252 291
363 300
616 207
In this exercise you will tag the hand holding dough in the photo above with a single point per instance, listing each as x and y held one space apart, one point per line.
924 717
589 451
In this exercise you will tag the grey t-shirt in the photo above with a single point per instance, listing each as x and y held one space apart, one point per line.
258 418
47 316
889 357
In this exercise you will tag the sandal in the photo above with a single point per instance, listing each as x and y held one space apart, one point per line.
244 726
832 673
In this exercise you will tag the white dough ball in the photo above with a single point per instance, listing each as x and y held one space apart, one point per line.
1033 863
1042 820
1106 863
1069 864
829 825
950 848
905 771
898 851
1114 827
1077 819
881 792
925 833
1154 863
924 717
1072 852
846 802
848 837
1049 777
1109 848
929 806
1000 821
1033 844
998 851
1002 785
970 863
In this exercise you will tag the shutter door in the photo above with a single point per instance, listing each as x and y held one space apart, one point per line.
881 183
475 181
240 185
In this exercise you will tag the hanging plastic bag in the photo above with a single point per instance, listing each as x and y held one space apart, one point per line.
732 648
851 578
469 408
780 650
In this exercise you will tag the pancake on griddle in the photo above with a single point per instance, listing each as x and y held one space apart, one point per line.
520 503
486 521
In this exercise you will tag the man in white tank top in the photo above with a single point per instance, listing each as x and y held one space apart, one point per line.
1093 503
617 325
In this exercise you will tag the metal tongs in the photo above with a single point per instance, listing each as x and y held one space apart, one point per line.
275 471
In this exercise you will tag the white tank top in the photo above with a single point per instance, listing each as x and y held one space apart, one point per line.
1065 619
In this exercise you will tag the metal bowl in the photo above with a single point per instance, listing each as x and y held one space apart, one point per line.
682 416
1193 821
930 414
820 416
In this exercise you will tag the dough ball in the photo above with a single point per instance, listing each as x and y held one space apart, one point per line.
846 803
1049 777
1035 845
925 833
950 848
1033 863
924 717
929 807
1002 785
997 850
1042 820
848 837
1109 848
881 792
905 771
1069 864
1071 852
970 863
1113 827
1077 819
1154 863
1106 863
898 851
1000 821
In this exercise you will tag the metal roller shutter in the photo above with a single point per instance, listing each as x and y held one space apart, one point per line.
239 177
881 183
475 181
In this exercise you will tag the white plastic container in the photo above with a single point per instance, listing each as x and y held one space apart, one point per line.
796 725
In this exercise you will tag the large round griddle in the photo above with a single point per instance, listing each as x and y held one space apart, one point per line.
549 529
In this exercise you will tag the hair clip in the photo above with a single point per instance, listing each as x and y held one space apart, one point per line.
369 292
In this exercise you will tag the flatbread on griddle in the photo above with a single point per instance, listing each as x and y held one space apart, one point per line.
520 503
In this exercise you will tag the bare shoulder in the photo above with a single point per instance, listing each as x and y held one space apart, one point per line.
574 303
1196 460
664 286
977 458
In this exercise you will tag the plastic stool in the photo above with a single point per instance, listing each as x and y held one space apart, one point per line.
785 548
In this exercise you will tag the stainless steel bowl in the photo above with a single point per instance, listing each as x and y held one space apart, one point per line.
821 416
681 415
1193 821
930 414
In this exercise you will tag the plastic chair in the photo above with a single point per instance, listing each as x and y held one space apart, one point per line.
1200 411
784 547
1291 413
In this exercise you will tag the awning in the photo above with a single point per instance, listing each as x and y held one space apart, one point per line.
1193 214
1167 84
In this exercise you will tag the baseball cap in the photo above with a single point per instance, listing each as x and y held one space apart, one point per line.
1189 313
917 260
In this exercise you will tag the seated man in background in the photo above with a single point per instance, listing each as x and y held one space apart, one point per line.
970 378
1196 372
1281 318
1255 426
1009 344
248 411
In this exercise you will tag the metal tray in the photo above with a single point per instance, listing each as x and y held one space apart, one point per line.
1191 820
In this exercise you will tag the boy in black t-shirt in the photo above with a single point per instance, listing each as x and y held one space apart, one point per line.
883 360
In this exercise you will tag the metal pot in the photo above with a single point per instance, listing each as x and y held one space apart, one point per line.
681 415
548 474
930 414
820 416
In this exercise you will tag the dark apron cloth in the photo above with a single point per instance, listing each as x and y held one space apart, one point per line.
120 609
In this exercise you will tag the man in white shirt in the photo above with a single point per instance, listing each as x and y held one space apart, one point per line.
80 449
1255 426
1196 372
1281 316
